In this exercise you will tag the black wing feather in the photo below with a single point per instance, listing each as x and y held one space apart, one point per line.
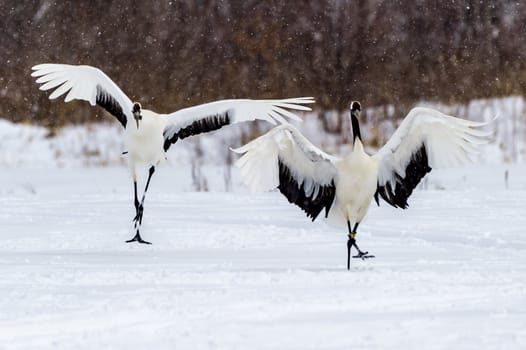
295 193
417 168
106 101
197 127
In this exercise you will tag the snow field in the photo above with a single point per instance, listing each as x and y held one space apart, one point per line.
245 271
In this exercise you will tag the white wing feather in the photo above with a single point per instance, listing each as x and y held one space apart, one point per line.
238 110
81 82
448 141
308 164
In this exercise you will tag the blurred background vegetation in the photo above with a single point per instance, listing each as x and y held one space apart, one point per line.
173 54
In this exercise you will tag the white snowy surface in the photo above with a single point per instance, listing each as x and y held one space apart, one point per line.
242 271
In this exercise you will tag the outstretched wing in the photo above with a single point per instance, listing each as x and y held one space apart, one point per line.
212 116
425 139
283 158
84 83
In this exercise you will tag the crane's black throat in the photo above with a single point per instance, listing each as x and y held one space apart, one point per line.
356 109
355 124
136 111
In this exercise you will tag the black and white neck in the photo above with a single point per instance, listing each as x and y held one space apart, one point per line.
136 111
356 108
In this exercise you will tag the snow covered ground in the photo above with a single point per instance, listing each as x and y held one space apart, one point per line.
242 271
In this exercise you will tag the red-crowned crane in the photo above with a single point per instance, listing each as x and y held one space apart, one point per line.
344 187
148 135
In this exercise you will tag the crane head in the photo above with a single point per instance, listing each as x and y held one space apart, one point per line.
356 106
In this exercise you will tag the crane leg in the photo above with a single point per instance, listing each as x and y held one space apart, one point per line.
139 209
351 242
